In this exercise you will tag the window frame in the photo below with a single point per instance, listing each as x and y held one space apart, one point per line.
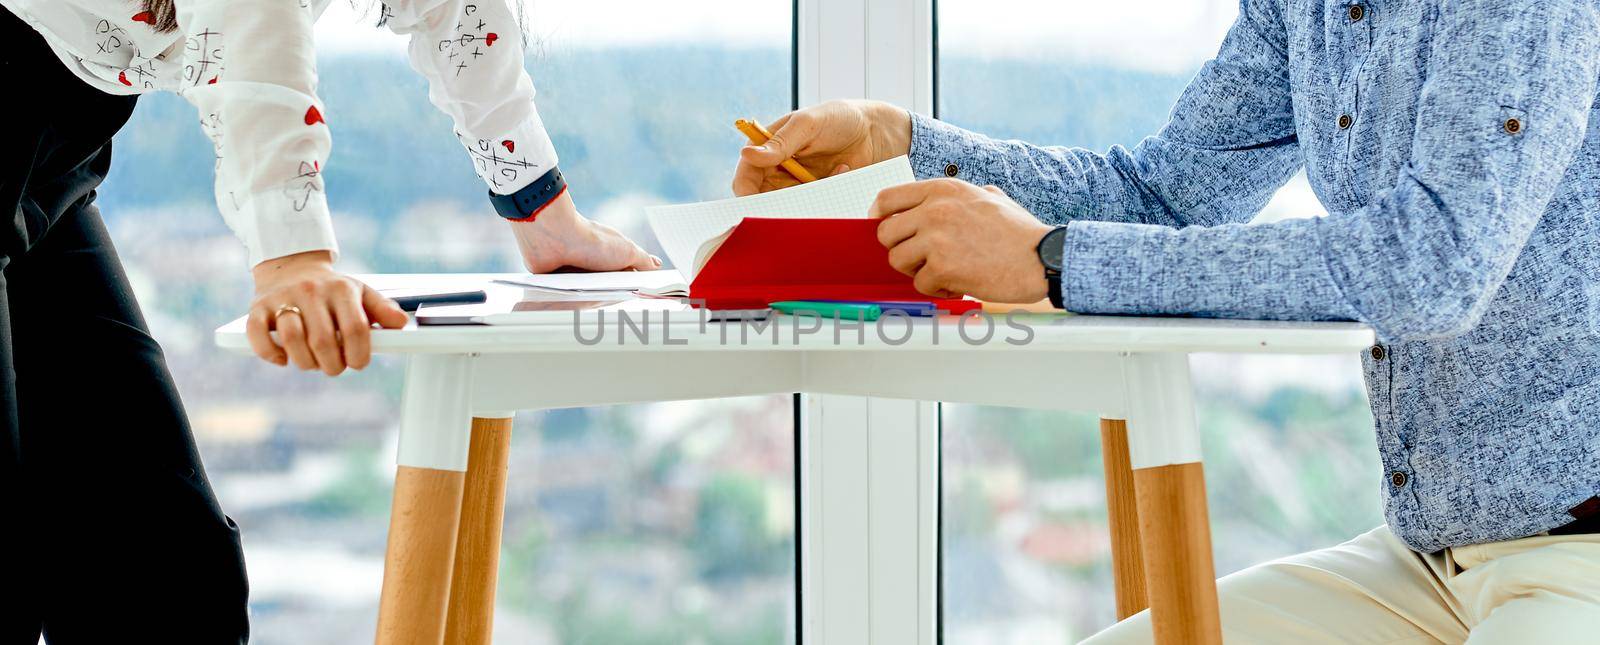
868 466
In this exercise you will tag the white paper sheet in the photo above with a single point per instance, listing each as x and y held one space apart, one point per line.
682 228
555 312
656 282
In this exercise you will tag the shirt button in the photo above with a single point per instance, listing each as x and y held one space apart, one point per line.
1513 126
1378 352
1398 479
1345 121
951 170
1357 12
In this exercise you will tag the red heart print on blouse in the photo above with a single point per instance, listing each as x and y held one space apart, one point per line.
145 17
511 146
314 116
122 77
489 38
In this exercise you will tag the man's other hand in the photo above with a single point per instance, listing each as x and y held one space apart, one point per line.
955 238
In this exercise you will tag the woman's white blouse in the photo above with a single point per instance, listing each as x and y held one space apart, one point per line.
250 68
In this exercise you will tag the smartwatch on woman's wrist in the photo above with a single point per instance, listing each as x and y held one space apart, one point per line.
1052 249
525 204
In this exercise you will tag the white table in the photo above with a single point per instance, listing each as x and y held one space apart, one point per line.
868 559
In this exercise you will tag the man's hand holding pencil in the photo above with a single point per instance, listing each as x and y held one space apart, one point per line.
823 140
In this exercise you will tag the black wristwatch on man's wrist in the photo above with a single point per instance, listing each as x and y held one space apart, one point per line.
1052 249
525 204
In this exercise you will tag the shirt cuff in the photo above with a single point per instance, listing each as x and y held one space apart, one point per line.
270 232
1115 268
509 161
939 149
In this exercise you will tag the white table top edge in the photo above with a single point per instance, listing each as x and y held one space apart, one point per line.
1061 333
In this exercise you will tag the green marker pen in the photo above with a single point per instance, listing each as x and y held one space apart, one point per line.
842 310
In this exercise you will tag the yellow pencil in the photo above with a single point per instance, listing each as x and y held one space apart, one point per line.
759 135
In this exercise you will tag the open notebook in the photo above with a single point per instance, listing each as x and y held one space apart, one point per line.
689 233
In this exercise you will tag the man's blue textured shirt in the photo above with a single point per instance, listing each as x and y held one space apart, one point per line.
1456 146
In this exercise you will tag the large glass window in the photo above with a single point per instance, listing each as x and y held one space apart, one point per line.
1287 441
632 524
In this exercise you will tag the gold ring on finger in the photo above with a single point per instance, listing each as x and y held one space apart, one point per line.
286 309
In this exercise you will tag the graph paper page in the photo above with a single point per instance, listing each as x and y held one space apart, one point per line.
682 228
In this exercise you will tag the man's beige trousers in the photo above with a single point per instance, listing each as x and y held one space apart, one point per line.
1372 589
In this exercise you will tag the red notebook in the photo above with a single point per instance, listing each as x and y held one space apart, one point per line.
766 260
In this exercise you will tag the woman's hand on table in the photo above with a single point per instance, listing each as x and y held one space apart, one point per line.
827 139
562 237
323 318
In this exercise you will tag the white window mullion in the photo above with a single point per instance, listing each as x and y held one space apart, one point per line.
833 50
869 466
869 524
899 56
877 49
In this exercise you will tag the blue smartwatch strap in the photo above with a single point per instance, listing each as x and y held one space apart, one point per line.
525 204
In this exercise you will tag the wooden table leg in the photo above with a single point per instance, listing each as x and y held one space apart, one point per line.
1170 490
1127 559
1176 533
477 556
434 441
420 556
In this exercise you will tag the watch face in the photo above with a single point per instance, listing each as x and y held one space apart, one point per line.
1052 247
